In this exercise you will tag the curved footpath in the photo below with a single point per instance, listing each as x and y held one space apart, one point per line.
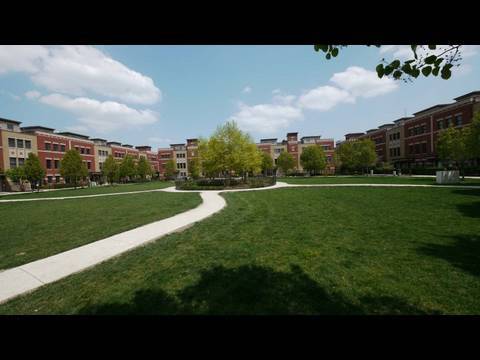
28 277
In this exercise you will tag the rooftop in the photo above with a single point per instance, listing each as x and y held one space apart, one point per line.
11 121
439 106
470 94
37 128
67 133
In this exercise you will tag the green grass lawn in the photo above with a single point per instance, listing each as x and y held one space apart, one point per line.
95 190
294 251
34 230
369 180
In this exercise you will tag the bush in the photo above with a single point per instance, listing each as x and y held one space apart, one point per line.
220 184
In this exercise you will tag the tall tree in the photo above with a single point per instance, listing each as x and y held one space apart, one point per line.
34 172
16 174
473 140
127 169
170 169
144 168
425 60
285 162
72 167
345 156
313 159
267 163
194 168
364 154
452 146
111 170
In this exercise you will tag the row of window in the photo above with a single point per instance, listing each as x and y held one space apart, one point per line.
102 153
55 163
394 136
180 156
450 121
181 165
55 147
395 151
378 140
417 130
19 143
418 148
14 162
83 150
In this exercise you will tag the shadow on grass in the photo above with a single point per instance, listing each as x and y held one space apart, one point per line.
251 290
472 209
464 253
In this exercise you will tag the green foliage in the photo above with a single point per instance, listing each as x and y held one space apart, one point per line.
170 169
313 159
452 146
285 162
440 62
194 168
72 167
144 168
33 169
127 169
111 170
473 140
16 174
229 151
267 162
353 155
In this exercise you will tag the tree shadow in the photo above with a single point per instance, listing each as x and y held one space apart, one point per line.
463 254
472 209
252 290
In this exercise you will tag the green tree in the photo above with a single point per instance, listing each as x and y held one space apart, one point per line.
313 159
194 168
425 60
144 168
16 174
34 172
111 170
127 170
170 169
72 167
452 146
285 162
364 154
473 140
229 151
344 156
267 163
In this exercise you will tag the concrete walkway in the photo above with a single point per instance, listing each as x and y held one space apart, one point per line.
28 277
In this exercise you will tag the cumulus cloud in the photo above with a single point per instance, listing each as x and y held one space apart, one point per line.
79 71
324 98
361 82
32 94
266 118
100 116
247 89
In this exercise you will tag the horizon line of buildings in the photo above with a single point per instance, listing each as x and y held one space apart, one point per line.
408 141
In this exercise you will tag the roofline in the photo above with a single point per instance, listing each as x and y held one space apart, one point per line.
470 94
32 128
12 121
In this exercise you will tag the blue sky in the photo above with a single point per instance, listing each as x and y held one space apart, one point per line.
157 95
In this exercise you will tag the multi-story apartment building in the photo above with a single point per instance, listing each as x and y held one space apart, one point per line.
119 151
51 148
102 152
164 155
180 158
295 148
411 141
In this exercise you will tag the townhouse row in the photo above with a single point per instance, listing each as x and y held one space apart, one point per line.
411 141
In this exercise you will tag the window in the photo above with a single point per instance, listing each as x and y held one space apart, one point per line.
47 146
28 144
417 148
57 164
450 121
424 148
440 124
181 156
62 147
20 143
13 162
21 161
49 179
82 150
100 164
278 150
10 127
181 165
49 164
57 179
87 151
11 142
55 147
458 120
89 165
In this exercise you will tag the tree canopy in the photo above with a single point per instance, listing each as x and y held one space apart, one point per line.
72 167
285 162
313 159
355 155
144 168
229 151
34 172
127 168
170 169
111 170
425 60
267 162
194 168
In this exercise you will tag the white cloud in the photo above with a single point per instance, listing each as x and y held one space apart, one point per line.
266 118
247 89
324 98
361 82
32 94
276 91
284 99
101 116
22 58
79 71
